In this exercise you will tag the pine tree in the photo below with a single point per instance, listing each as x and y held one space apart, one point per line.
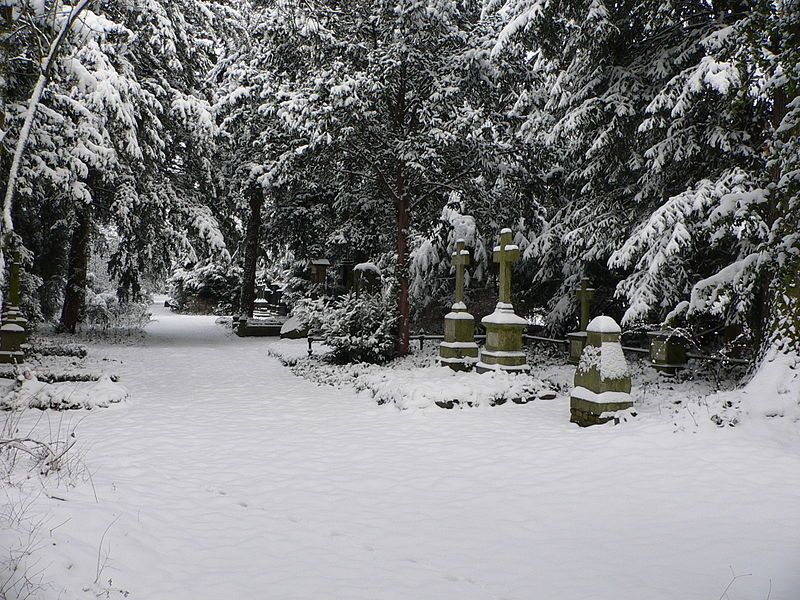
396 104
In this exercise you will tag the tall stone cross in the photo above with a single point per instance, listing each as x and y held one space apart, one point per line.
460 261
584 295
505 254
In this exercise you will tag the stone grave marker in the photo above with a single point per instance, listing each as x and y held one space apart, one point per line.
13 331
667 351
503 349
602 378
459 350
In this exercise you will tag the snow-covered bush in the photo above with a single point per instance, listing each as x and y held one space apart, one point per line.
105 312
207 287
431 260
359 328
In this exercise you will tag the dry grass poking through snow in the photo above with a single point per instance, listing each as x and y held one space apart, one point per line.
31 466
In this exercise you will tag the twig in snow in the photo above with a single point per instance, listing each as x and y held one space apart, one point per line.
100 567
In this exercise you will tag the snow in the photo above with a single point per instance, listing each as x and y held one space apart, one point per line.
459 345
504 317
424 387
291 324
612 361
367 267
225 476
31 393
459 316
583 393
603 324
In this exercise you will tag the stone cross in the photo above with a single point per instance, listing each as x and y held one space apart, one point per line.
584 295
505 254
460 260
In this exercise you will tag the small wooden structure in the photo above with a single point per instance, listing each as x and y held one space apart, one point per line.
319 270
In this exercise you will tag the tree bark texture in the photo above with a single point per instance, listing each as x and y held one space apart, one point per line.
77 270
247 296
403 222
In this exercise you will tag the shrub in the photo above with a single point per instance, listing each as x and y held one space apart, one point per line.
105 312
359 328
207 287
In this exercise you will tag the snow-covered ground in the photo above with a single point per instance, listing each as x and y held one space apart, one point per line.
224 476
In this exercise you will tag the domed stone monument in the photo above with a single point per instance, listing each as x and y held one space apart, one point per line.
602 378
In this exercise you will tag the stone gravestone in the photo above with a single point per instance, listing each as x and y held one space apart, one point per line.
667 351
503 350
602 379
459 350
577 339
13 331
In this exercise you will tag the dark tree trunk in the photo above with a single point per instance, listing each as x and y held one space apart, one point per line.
403 222
77 270
251 247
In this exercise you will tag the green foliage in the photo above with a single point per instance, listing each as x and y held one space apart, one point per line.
105 313
359 328
207 287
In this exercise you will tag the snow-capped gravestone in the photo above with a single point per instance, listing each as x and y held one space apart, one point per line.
459 350
13 330
602 379
667 351
503 350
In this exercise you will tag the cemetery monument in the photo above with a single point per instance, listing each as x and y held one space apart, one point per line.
459 350
503 350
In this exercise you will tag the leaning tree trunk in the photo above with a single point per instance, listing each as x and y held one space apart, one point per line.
77 271
251 247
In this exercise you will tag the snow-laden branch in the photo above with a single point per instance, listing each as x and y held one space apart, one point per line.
36 96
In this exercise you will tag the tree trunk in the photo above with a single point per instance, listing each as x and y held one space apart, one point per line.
251 247
77 271
403 222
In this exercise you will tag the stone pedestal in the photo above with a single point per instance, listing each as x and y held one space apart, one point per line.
14 329
12 336
458 350
577 341
667 352
503 350
602 379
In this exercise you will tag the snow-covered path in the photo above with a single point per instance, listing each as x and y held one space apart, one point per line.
226 477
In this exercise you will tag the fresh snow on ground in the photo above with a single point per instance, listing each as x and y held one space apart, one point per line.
225 476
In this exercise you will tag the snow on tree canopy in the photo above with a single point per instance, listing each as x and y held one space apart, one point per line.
367 267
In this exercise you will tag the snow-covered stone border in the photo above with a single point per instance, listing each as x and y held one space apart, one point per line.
29 392
413 382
